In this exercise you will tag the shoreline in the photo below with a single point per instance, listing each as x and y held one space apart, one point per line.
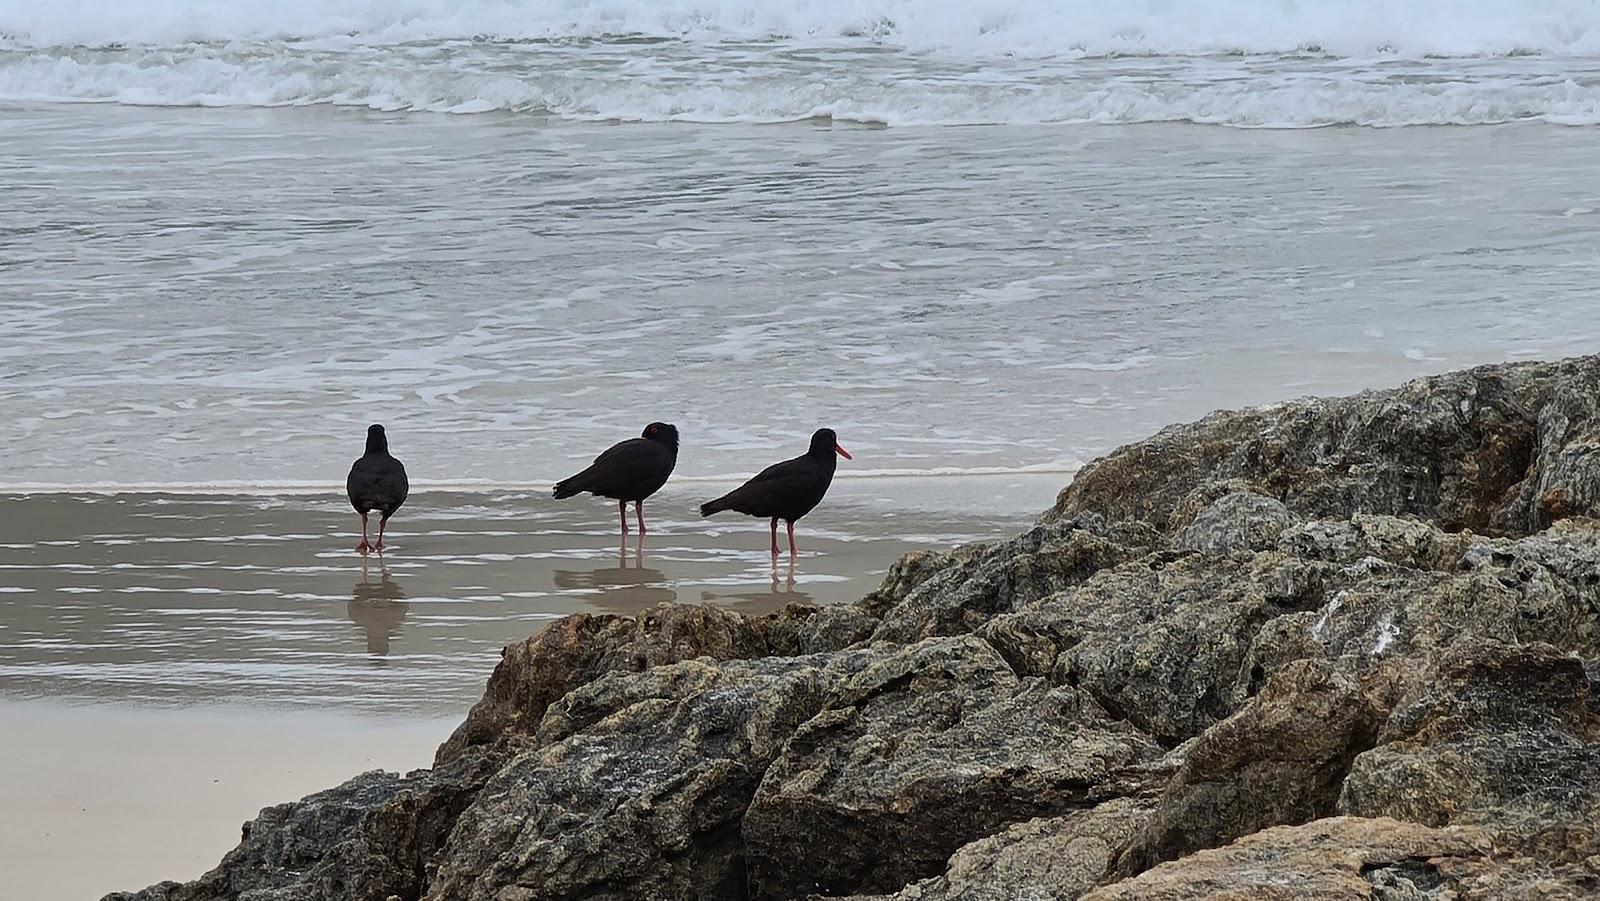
215 599
294 488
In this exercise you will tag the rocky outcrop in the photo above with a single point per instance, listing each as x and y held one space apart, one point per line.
1331 648
578 649
933 744
1281 759
1502 737
1494 450
1352 859
639 783
1035 860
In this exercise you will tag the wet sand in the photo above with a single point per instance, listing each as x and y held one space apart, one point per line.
171 662
100 798
261 599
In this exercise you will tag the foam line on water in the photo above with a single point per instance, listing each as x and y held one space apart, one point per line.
269 488
986 27
1239 63
1228 94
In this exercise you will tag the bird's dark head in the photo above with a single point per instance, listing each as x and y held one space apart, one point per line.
664 432
824 444
377 441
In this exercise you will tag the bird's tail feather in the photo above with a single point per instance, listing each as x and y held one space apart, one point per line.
571 486
710 507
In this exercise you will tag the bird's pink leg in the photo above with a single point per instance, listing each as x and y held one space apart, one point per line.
363 547
774 536
793 551
383 523
622 515
638 507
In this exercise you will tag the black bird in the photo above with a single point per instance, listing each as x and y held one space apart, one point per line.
377 482
787 490
631 470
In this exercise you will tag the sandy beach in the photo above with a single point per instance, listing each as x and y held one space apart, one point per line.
99 798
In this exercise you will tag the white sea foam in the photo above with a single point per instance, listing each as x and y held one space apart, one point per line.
1279 99
1251 63
1052 27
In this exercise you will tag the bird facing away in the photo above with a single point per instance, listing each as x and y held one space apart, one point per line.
631 470
787 490
377 482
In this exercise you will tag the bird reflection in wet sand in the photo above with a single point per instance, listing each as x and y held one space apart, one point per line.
378 608
623 588
775 598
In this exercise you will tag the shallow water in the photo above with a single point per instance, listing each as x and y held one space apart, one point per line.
260 600
216 296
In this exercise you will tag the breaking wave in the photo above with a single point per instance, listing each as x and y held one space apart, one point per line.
1249 63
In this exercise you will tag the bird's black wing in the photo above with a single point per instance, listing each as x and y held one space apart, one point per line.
635 467
393 486
627 451
772 490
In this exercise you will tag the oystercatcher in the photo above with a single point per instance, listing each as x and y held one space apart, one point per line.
377 482
787 490
629 471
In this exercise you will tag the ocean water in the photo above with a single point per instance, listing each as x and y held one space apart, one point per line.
1002 236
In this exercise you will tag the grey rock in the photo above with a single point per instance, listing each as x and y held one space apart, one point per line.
1161 642
999 578
1279 760
1409 543
1503 738
925 750
1567 466
1354 859
640 786
577 649
813 630
910 571
1463 450
1237 521
371 838
1037 860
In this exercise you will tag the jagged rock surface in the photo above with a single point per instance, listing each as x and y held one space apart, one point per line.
1333 648
930 746
1352 859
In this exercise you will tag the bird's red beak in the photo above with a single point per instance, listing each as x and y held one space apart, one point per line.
842 452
